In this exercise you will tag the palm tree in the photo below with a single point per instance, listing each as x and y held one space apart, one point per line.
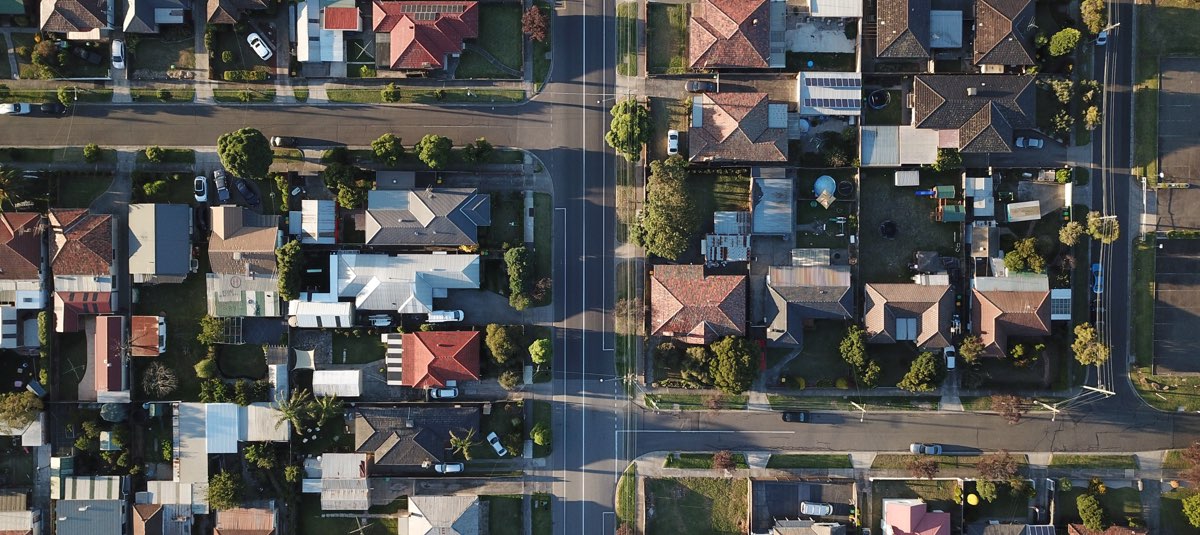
8 182
325 408
296 409
463 444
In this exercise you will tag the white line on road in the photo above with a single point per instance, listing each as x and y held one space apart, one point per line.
643 431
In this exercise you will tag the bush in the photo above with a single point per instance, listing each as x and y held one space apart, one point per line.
244 76
541 434
390 93
227 56
155 154
1064 42
366 71
1090 512
206 368
510 380
842 383
1062 176
517 260
163 94
91 152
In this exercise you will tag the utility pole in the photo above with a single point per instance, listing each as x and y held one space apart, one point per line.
1050 408
863 414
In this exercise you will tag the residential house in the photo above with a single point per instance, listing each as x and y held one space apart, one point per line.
403 439
320 315
15 516
243 242
81 259
1009 306
912 517
80 20
1004 34
406 283
916 313
772 205
231 11
247 521
341 480
436 359
21 278
147 336
147 16
695 308
897 145
806 527
231 295
1080 529
444 515
160 242
902 29
735 34
829 94
1009 529
110 360
340 383
315 223
737 127
418 35
730 240
159 519
89 517
432 217
974 113
208 428
801 294
321 27
169 507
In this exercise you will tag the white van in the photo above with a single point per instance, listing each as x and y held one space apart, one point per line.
445 316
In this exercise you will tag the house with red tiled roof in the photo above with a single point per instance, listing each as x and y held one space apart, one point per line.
695 308
418 35
81 259
246 521
998 314
731 34
433 359
737 127
912 517
21 278
109 359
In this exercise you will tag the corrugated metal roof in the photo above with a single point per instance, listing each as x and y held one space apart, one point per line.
192 495
880 146
89 517
221 427
1025 282
908 178
340 383
159 241
317 221
343 465
16 520
772 204
191 457
345 495
403 283
731 222
836 9
88 488
260 422
278 375
308 314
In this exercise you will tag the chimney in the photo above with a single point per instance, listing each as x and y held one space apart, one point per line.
972 91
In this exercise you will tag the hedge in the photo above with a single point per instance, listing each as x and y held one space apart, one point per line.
244 76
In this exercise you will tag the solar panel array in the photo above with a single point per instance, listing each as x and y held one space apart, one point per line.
836 103
430 11
833 82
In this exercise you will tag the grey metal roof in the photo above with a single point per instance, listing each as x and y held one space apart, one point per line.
443 216
772 204
89 517
444 515
159 243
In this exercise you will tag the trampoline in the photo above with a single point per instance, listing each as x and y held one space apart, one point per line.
879 99
888 229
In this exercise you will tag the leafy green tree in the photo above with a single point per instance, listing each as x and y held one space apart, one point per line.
434 150
214 391
1103 228
211 330
1092 118
1063 88
91 153
1064 41
1088 347
921 375
854 347
510 380
246 153
630 128
65 96
1090 512
388 149
261 455
1092 13
970 348
734 364
290 264
669 218
1062 123
986 490
391 93
868 377
1070 233
296 409
293 474
155 154
225 490
461 444
541 434
206 368
1191 509
8 186
325 408
500 342
1024 257
947 160
517 260
541 351
17 409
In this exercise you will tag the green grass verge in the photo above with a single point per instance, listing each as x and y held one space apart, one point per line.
542 414
1184 393
1159 26
38 96
626 505
696 506
1143 301
500 33
301 94
5 69
175 95
696 402
1124 462
627 22
542 517
816 461
543 241
430 96
959 464
247 96
780 402
1174 460
351 349
541 50
1171 518
700 461
667 38
506 514
182 156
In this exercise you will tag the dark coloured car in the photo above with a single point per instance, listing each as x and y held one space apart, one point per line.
88 55
247 193
700 86
796 416
53 108
222 188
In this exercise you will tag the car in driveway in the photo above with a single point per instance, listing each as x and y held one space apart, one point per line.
951 355
449 468
17 108
244 188
672 142
1097 279
700 86
259 46
118 54
796 416
443 393
200 189
222 188
1030 143
494 441
52 108
444 316
815 509
921 448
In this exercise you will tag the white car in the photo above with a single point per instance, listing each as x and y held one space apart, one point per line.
444 393
20 108
118 54
1102 39
927 449
496 445
444 316
1032 143
259 46
200 189
951 355
672 142
449 468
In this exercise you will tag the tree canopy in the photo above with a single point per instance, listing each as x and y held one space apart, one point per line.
1064 41
1191 509
225 490
669 218
245 153
733 364
921 374
541 351
211 330
1024 257
1090 512
1070 233
1088 347
534 24
501 343
1092 13
387 149
947 159
17 409
1103 228
630 128
289 264
970 348
434 150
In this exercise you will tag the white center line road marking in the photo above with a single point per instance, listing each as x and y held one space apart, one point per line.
683 432
583 274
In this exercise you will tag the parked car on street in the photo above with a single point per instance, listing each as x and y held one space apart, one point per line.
244 188
496 445
1102 39
200 189
1097 279
283 141
700 86
815 509
672 142
1032 143
796 416
926 449
444 393
18 108
222 189
118 54
52 108
449 468
259 46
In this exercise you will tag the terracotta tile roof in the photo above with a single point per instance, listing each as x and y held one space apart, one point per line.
148 519
73 15
915 519
341 18
81 243
244 521
903 29
908 311
736 126
695 308
1000 314
20 245
69 306
1002 32
422 37
109 335
242 241
730 34
984 120
432 358
230 11
143 336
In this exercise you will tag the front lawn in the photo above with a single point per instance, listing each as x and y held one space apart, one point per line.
667 38
360 348
809 460
1171 517
1142 309
1084 462
627 23
543 517
506 514
5 68
697 402
183 305
696 506
667 114
500 35
241 56
820 363
173 48
916 229
507 420
1118 504
79 191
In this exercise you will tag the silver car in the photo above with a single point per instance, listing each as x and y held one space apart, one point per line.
926 449
259 46
19 108
815 509
494 441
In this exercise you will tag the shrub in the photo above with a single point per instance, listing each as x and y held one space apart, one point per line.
510 380
842 383
541 434
227 56
206 368
163 94
390 93
1064 41
366 71
155 154
244 76
1090 512
91 152
723 460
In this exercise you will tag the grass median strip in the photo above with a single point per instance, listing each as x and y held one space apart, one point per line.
700 461
697 402
814 461
627 497
429 96
245 96
174 95
1123 462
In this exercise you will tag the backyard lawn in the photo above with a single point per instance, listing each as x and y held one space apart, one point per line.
313 521
916 228
351 349
1171 517
183 305
506 514
1007 507
890 114
696 506
819 461
715 191
667 38
499 35
1118 504
244 361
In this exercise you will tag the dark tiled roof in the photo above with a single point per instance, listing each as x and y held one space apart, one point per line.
903 29
730 34
985 120
147 519
930 307
806 293
387 434
1000 314
450 216
434 357
1002 32
82 243
242 241
20 245
75 16
736 127
230 11
142 20
422 42
696 308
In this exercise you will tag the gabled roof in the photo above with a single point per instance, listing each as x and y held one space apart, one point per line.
20 245
423 33
89 517
911 517
444 515
903 29
148 519
799 293
406 283
1010 529
81 244
695 308
444 216
916 312
1000 314
245 521
730 34
1002 30
435 357
69 306
738 127
405 437
159 241
142 15
143 336
242 241
984 108
66 16
230 11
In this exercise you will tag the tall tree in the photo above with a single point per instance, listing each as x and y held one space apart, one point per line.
921 375
325 408
1070 233
1024 257
290 265
1088 347
1064 41
1090 511
630 128
212 330
296 409
541 351
854 346
500 343
1092 13
387 149
970 348
534 24
434 150
734 364
669 218
17 409
1102 227
225 490
246 153
1010 407
462 444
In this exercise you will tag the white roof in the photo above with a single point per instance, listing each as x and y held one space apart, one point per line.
190 495
278 375
1025 282
836 9
221 427
829 93
340 383
313 43
893 146
16 520
345 495
405 283
731 222
908 178
259 422
191 455
312 315
980 189
317 221
86 488
945 29
236 295
344 465
304 359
